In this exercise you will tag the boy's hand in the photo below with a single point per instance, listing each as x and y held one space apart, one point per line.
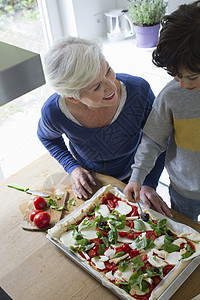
150 198
132 191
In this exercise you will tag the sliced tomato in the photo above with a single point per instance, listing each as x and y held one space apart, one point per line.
191 245
134 253
111 266
167 269
134 211
92 253
144 257
97 241
102 231
132 235
151 235
118 249
126 248
156 280
34 213
122 233
130 223
110 204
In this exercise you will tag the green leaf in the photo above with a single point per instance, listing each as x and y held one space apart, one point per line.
101 249
123 265
144 287
113 235
138 263
170 248
118 221
139 225
189 253
71 201
72 227
160 227
144 243
77 235
168 239
136 278
86 224
119 254
155 272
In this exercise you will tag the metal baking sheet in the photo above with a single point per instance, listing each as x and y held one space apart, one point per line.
170 290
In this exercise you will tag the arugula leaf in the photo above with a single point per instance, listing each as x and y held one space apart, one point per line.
77 235
189 253
123 265
144 243
155 272
52 204
124 286
118 221
113 235
86 224
102 248
72 227
92 211
144 287
160 227
103 238
138 262
119 254
170 248
139 225
71 201
168 238
136 278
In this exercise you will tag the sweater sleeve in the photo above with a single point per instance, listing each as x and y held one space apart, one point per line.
53 141
150 154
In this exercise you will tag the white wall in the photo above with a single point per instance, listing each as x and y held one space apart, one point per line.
83 18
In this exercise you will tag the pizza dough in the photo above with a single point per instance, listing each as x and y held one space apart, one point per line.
123 245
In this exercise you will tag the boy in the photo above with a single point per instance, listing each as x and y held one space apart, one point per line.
174 122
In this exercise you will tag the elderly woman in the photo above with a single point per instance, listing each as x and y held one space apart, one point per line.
102 115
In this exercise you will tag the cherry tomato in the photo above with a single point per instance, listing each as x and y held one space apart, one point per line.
42 219
92 253
34 213
39 203
151 235
134 253
122 233
126 248
110 204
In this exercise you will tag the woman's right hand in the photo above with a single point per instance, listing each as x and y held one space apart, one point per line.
81 180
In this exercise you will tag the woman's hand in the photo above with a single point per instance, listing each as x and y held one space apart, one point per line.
81 180
134 192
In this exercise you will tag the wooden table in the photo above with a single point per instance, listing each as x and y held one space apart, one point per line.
31 267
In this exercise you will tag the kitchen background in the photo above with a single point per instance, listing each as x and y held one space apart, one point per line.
35 30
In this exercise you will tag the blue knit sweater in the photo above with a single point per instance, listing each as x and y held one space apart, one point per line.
109 150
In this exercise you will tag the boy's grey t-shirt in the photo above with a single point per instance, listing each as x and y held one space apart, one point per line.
174 122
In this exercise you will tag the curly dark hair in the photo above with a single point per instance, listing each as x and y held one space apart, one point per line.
179 41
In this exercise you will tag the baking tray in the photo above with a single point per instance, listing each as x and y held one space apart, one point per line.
169 291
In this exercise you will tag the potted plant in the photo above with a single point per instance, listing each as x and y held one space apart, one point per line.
146 16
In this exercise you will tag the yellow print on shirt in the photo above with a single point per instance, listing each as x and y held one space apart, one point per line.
187 133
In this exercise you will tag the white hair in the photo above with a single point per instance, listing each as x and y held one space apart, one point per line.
71 64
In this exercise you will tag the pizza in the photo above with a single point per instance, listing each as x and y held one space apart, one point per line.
138 258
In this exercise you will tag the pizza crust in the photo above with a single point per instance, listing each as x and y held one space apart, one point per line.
61 227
